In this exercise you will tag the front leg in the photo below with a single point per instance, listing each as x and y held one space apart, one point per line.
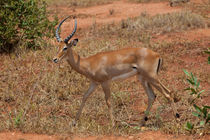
106 89
92 87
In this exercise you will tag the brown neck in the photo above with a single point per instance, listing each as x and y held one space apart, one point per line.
75 61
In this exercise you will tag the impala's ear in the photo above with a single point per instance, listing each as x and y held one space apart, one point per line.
74 42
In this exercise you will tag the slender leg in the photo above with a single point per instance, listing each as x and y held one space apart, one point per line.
92 87
161 88
166 93
172 100
164 87
106 89
151 97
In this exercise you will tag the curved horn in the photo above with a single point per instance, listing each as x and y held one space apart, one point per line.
72 34
56 32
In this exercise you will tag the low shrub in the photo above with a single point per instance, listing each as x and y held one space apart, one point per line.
23 23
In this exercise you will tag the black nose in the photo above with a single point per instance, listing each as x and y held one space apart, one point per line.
55 60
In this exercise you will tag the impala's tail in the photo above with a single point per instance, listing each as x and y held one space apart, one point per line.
160 63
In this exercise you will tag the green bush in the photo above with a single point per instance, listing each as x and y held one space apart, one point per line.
23 24
202 113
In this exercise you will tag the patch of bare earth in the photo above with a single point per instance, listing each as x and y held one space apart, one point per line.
146 135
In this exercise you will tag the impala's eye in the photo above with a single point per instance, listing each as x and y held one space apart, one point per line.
64 49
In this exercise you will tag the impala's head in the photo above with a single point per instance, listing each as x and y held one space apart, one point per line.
64 45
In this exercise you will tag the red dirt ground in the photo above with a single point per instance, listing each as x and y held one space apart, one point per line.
146 135
101 15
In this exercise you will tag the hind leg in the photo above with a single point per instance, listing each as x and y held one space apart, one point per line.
151 98
166 93
161 88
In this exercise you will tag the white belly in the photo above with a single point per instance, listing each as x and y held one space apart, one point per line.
125 75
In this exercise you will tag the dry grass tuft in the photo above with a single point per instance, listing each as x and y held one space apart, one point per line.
159 24
79 3
201 8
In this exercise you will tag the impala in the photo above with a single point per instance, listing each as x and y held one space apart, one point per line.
105 67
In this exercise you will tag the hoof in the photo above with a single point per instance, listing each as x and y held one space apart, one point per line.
177 115
146 118
74 123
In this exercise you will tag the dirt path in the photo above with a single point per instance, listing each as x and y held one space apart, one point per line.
147 135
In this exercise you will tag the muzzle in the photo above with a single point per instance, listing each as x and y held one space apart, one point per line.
55 60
